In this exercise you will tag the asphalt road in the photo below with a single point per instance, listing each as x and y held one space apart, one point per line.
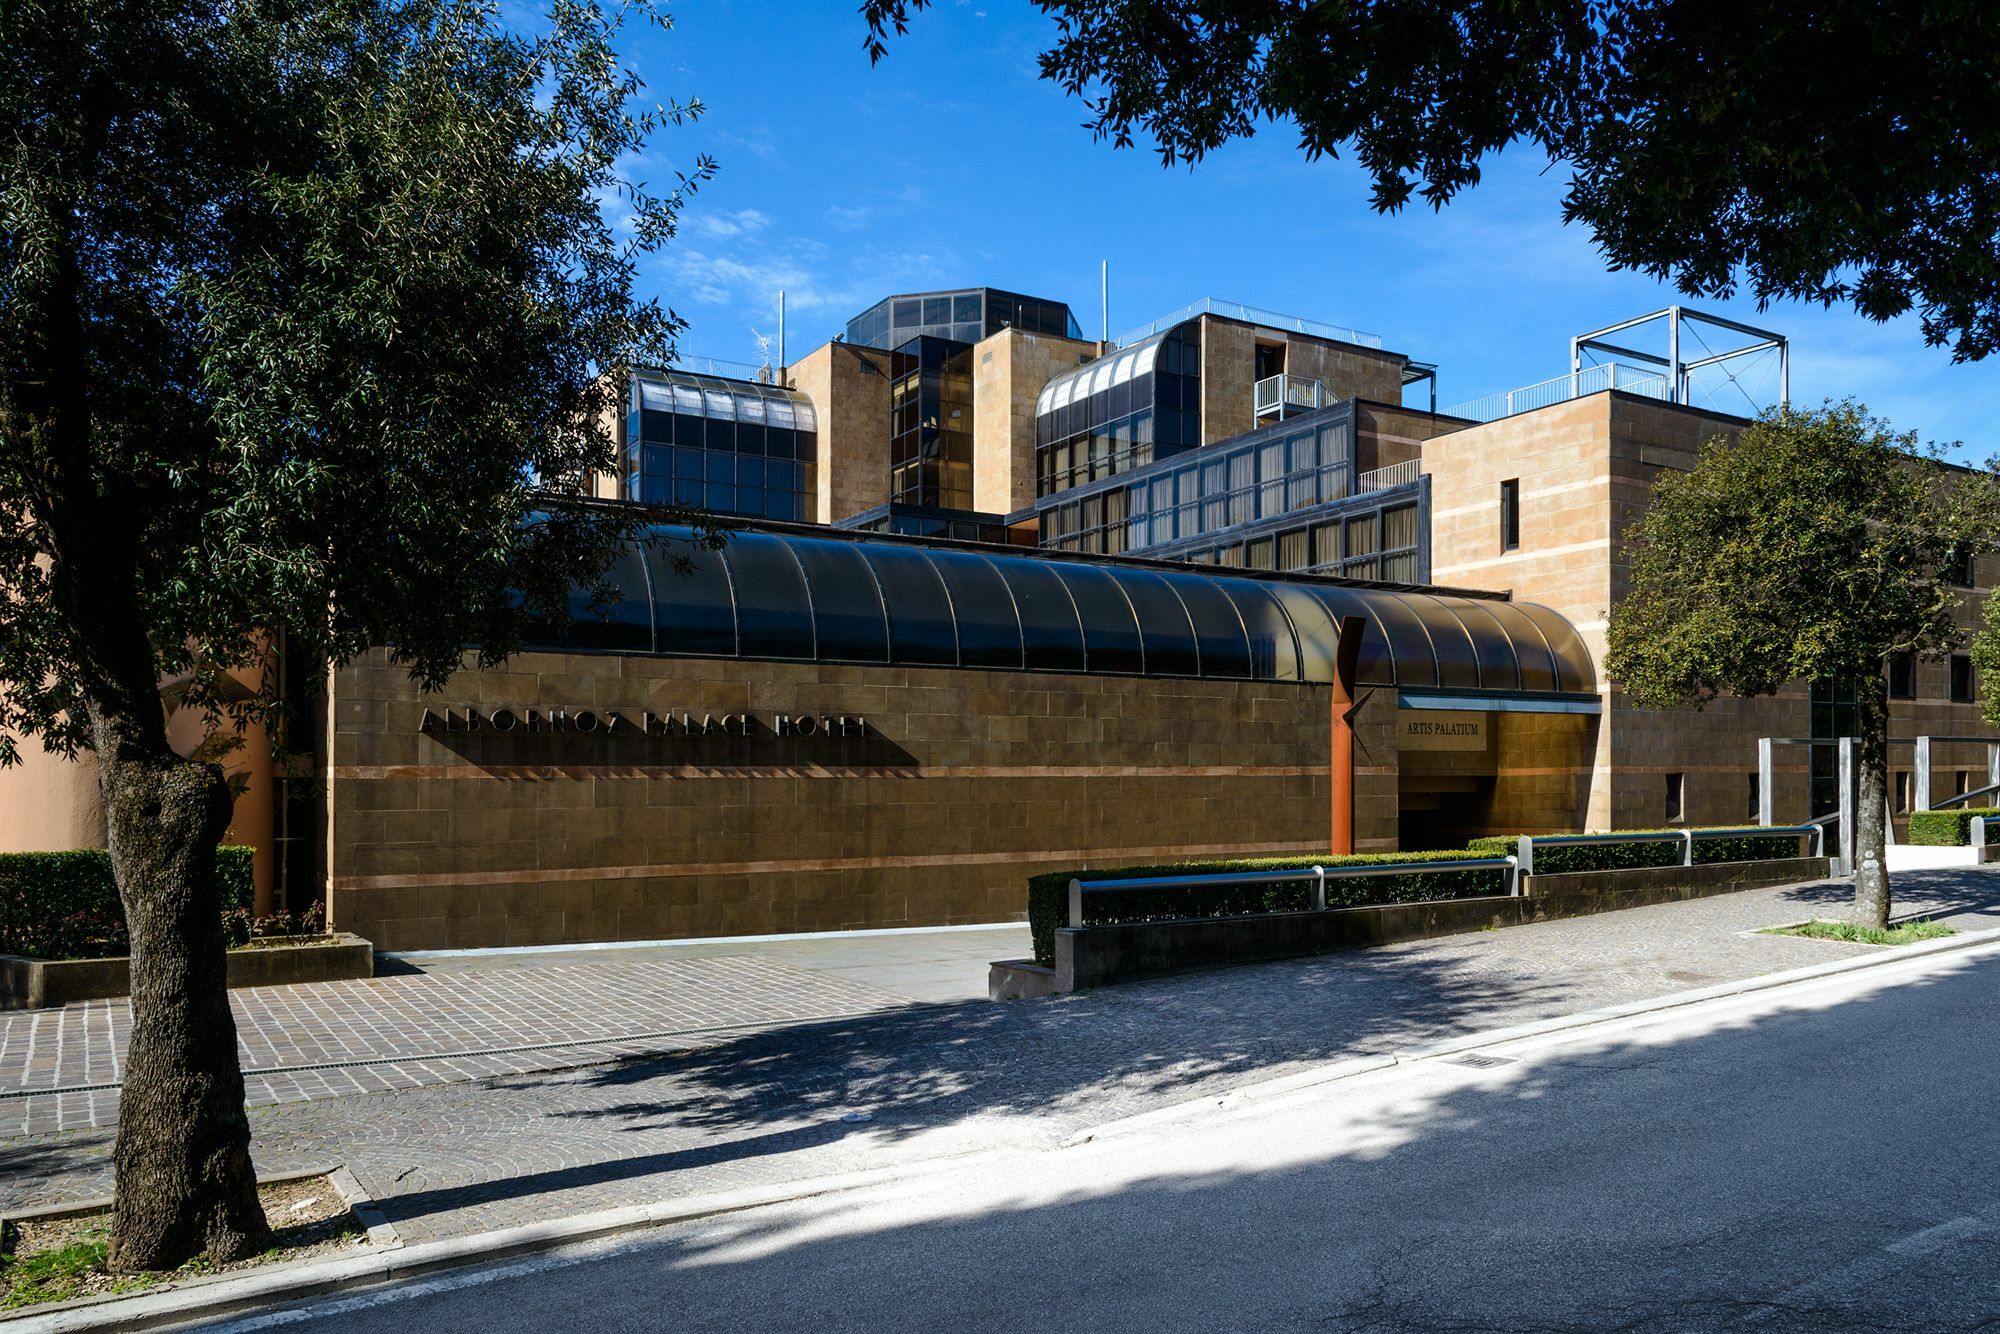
1817 1158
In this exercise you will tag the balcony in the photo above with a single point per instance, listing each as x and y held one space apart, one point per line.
1281 396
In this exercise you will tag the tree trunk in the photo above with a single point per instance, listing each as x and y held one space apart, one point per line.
1871 800
184 1181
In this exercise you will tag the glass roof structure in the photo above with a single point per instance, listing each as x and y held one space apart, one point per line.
784 595
1118 368
693 395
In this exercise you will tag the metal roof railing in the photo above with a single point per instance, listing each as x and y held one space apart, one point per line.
1593 380
1269 319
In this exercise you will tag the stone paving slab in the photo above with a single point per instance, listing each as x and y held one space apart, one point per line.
386 1033
789 1101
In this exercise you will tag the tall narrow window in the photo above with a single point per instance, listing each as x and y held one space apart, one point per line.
1961 678
1676 790
1902 790
1510 514
1756 811
1959 567
1903 676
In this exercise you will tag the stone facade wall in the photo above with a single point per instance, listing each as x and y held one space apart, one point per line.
966 783
1229 372
849 389
1009 370
1385 434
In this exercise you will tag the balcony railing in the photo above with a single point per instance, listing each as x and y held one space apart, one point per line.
1562 388
1269 319
1285 394
1395 474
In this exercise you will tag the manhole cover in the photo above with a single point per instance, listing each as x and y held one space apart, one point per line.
1478 1062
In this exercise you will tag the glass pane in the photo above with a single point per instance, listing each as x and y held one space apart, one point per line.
1531 648
989 631
1049 627
920 622
1218 629
1574 669
1409 643
848 623
773 611
625 623
1498 668
1458 665
1164 626
1375 665
1274 651
691 596
1110 630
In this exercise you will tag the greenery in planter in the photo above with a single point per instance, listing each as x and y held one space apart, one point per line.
1947 828
1048 894
65 905
1562 858
1903 933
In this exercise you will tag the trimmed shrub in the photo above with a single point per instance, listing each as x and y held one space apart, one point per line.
1559 858
1948 828
1048 894
64 905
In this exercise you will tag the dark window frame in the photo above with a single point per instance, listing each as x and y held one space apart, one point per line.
1510 514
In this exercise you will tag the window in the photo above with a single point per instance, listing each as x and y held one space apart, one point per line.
1961 678
1676 790
1510 514
1903 676
1958 570
1902 790
1756 808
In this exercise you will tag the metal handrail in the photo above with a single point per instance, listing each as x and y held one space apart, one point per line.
1963 797
1319 875
1686 837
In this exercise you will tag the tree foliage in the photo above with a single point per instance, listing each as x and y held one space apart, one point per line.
1814 548
304 309
1846 152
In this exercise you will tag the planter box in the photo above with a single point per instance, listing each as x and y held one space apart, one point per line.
31 984
1095 956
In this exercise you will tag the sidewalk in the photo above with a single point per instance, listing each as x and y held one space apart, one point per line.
898 1081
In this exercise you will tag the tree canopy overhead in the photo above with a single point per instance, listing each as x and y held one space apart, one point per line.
303 309
1840 152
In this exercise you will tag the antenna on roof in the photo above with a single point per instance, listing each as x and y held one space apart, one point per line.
1104 296
764 350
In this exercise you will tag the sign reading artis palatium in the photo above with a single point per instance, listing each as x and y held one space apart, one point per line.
619 723
1435 729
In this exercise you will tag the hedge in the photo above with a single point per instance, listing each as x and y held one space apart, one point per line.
64 905
1048 894
1947 828
1557 859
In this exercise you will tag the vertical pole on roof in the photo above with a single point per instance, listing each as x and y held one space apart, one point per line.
1784 372
1674 387
1104 298
1575 367
1764 777
1346 662
1921 799
781 335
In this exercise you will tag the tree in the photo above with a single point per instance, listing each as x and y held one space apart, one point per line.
1814 548
1850 152
303 305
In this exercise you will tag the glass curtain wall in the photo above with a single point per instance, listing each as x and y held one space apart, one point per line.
1121 412
930 424
964 316
727 446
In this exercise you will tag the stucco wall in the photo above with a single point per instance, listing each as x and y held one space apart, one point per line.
1009 370
849 389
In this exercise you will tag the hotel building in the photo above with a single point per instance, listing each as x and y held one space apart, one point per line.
999 599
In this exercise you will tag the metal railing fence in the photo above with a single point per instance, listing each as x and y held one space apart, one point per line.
1317 875
1525 851
1560 389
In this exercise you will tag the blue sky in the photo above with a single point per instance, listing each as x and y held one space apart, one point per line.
953 164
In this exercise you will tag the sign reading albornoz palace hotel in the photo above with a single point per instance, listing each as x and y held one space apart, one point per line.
643 723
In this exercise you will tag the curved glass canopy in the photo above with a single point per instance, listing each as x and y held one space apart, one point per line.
789 596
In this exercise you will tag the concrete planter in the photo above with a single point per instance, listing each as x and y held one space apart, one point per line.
1095 956
31 984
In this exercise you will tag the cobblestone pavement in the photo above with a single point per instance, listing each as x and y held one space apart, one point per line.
422 1029
833 1095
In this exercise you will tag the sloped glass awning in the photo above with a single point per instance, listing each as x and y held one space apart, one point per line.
787 596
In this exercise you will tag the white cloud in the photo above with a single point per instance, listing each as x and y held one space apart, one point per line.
715 226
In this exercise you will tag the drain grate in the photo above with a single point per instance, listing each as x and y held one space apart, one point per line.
1478 1062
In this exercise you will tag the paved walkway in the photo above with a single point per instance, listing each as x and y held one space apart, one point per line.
902 1081
444 1019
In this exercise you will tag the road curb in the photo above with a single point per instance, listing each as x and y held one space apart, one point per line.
223 1295
1349 1067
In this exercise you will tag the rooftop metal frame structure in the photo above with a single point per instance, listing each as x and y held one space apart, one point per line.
1676 367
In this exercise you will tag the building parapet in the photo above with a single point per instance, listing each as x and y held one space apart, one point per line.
1270 319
